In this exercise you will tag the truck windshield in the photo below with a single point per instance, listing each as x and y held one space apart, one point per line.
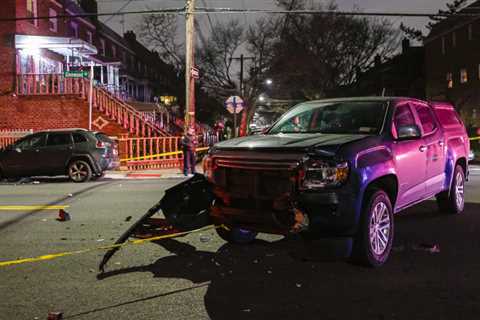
343 117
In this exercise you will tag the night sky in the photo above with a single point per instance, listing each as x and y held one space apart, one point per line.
132 22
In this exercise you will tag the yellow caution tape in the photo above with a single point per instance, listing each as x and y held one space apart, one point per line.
161 155
130 242
33 207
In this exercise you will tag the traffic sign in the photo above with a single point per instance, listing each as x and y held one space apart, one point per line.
195 73
76 74
234 104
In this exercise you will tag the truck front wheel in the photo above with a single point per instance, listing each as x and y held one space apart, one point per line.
374 238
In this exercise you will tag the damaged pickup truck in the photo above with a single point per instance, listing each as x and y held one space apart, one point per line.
340 168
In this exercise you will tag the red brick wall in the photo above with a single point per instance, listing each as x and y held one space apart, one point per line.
50 112
7 53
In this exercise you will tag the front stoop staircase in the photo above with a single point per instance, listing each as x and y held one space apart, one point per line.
124 114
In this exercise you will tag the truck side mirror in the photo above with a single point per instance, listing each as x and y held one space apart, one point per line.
409 132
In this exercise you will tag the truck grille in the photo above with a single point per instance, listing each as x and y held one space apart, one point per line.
253 179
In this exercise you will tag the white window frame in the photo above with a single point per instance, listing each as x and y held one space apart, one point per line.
89 36
54 21
75 27
103 47
34 12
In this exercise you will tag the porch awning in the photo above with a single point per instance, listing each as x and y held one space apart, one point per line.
61 45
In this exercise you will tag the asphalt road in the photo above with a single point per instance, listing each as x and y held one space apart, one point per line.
201 277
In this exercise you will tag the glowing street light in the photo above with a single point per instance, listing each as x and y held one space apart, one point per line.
268 82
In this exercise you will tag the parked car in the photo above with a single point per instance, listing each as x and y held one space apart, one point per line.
77 153
340 168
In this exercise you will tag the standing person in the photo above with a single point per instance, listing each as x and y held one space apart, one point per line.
189 144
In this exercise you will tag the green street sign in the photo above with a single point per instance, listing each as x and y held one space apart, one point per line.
76 74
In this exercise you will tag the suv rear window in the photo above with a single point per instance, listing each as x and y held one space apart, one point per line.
447 117
103 137
79 138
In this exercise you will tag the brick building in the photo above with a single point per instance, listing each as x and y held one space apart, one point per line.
40 57
452 55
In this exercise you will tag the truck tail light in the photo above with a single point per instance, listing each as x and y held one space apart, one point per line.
100 144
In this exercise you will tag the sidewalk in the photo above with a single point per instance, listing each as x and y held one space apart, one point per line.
175 173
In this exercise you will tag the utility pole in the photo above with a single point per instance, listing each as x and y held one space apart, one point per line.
189 59
243 122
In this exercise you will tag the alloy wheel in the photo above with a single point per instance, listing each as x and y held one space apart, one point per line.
380 228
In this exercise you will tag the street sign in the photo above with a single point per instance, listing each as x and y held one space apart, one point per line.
76 74
195 73
234 104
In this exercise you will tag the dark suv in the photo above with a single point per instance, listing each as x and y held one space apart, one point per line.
78 153
340 168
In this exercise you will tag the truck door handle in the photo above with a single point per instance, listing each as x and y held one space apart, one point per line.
422 148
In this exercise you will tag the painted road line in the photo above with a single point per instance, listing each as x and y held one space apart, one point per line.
28 208
119 245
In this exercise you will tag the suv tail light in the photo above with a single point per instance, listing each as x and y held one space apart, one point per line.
100 144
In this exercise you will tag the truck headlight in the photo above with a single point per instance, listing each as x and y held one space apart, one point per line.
319 174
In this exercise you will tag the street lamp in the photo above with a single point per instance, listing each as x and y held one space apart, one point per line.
268 82
262 98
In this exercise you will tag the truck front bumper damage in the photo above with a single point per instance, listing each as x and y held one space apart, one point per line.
185 206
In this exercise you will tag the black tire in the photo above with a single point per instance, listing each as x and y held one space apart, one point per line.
453 200
79 171
374 238
237 235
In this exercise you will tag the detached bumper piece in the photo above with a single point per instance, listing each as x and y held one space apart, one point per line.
185 206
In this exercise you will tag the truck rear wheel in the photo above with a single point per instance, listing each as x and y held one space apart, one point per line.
237 235
374 238
453 201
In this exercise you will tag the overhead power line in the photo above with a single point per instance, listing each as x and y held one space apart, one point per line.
254 11
119 10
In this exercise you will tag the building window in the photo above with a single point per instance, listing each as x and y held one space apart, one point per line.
52 21
32 11
102 47
470 32
449 80
114 51
454 39
89 37
463 76
74 29
443 45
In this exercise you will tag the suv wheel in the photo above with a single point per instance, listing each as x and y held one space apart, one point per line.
453 201
237 235
79 171
374 238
